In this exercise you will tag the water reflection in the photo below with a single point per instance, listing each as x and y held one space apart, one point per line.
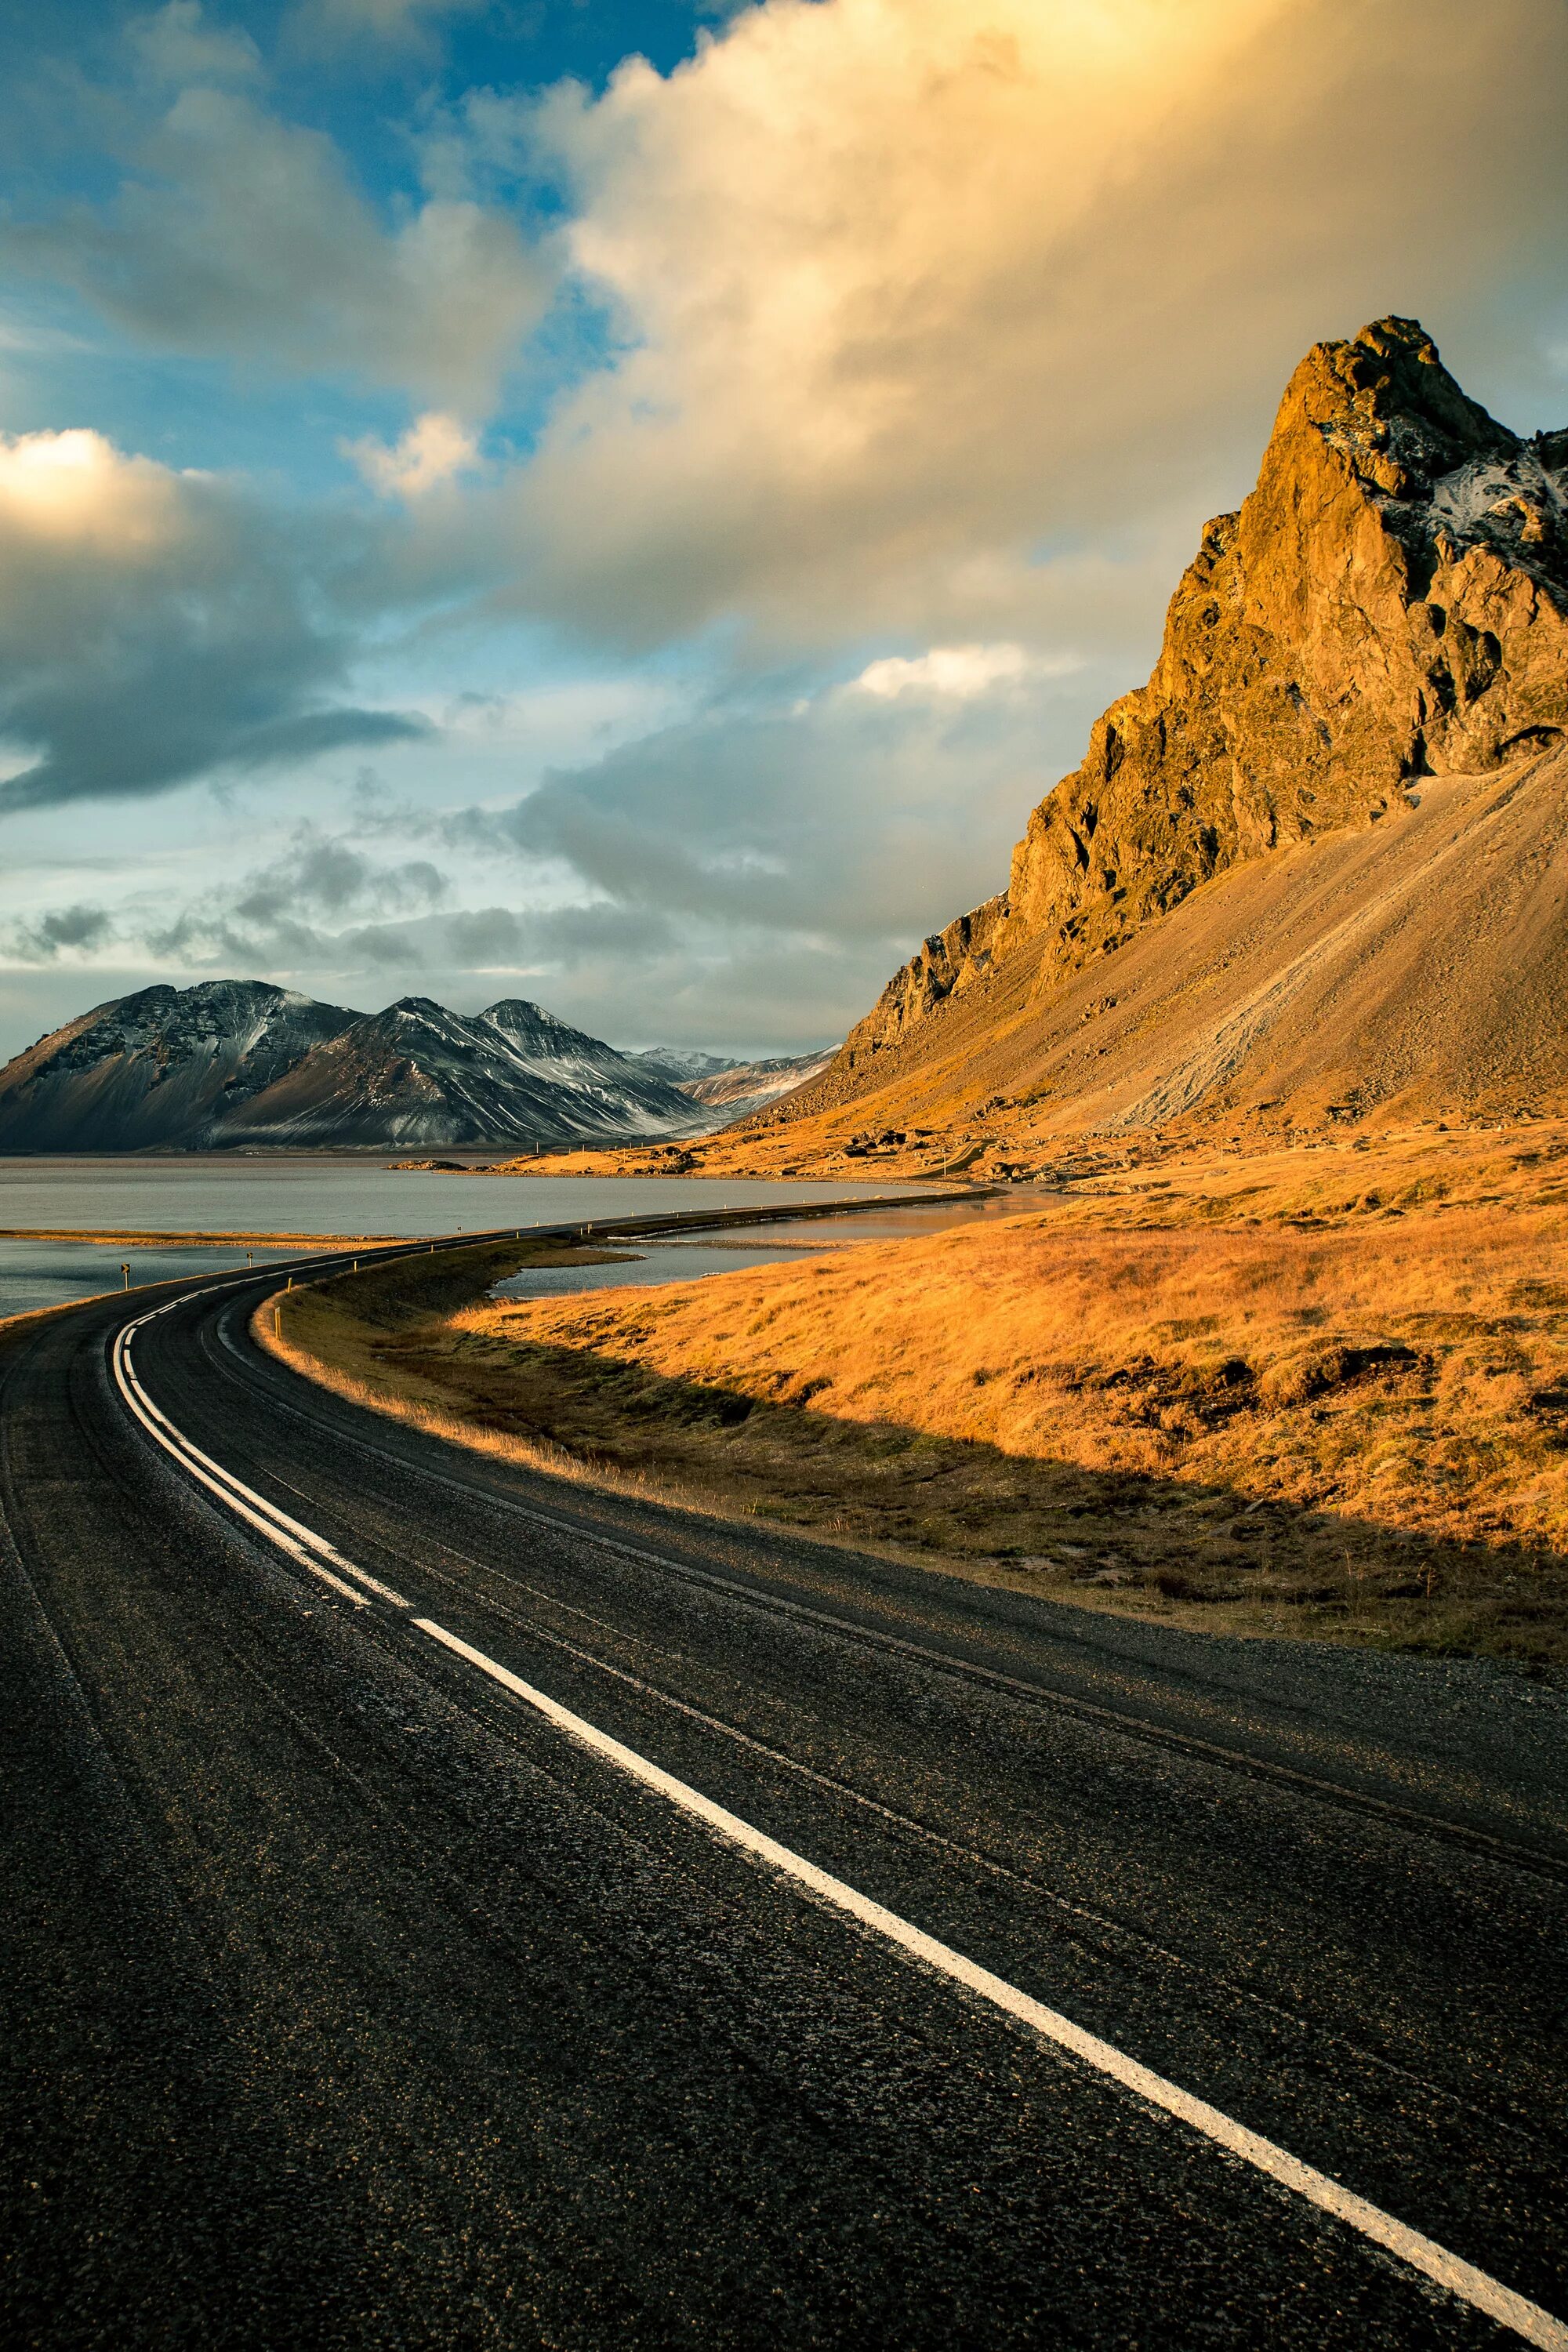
51 1273
688 1258
321 1193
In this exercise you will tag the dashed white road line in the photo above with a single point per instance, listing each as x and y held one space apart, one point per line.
1530 2321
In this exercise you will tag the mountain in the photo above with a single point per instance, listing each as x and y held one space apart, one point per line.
419 1074
1323 854
736 1090
733 1089
158 1067
682 1064
231 1063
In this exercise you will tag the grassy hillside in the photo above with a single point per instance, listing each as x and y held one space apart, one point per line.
1322 1392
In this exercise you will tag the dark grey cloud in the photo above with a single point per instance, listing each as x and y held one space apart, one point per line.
325 875
298 910
83 928
158 626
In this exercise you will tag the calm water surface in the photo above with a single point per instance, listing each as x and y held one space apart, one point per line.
322 1193
49 1273
804 1237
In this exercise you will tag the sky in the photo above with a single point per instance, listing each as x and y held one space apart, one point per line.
629 503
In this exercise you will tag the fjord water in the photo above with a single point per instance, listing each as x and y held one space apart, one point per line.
688 1257
51 1273
310 1193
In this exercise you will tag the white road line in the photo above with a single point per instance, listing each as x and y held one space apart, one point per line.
301 1543
1448 2270
1475 2287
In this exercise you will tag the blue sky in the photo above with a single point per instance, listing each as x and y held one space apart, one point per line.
631 504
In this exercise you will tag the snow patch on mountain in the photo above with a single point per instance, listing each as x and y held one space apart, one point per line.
231 1063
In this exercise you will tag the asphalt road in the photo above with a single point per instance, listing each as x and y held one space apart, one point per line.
351 1998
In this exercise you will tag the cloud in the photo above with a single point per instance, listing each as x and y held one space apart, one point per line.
176 44
156 627
956 672
388 20
843 819
434 448
303 909
82 929
902 293
238 236
325 875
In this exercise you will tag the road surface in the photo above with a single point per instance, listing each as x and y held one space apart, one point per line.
449 1907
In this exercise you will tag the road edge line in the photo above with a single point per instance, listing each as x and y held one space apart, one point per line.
1448 2270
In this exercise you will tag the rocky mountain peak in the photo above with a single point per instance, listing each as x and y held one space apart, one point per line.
1391 602
519 1017
232 1063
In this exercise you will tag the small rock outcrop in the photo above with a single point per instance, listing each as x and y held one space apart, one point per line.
1389 602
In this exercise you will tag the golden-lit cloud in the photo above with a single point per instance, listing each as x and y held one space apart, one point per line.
76 492
435 449
904 286
954 673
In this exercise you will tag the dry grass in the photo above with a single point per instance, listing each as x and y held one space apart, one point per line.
1321 1394
375 1339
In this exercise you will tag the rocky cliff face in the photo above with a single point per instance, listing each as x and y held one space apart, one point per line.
1389 602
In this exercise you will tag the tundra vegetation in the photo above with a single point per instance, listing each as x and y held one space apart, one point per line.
1317 1391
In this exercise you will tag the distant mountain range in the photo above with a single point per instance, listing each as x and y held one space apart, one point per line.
733 1090
233 1063
682 1066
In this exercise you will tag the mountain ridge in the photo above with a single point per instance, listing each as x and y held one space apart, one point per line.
1388 607
742 1088
229 1065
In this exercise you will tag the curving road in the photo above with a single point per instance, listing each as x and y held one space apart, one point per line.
448 1906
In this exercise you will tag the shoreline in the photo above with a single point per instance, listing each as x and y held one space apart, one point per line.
151 1239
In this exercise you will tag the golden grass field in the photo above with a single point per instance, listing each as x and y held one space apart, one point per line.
1317 1391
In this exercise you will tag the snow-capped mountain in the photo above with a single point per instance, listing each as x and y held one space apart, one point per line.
682 1064
240 1062
166 1065
737 1088
729 1089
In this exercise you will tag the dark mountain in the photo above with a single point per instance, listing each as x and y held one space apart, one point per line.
231 1063
736 1090
731 1089
164 1067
